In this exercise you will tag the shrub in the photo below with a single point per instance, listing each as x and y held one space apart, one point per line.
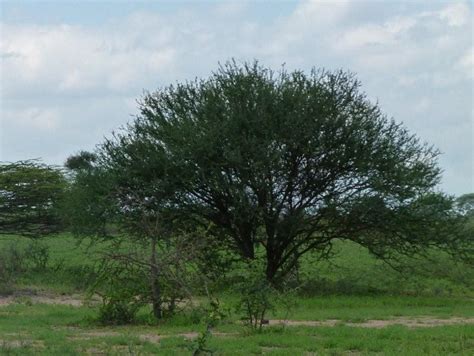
257 295
116 311
12 263
122 289
37 255
215 313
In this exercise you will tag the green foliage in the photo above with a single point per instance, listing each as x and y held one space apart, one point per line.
29 195
37 253
88 209
117 205
214 314
82 161
257 295
465 203
16 260
352 271
117 312
61 330
11 264
123 288
128 274
284 161
342 292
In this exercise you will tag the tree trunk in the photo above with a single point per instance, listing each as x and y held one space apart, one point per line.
271 268
155 285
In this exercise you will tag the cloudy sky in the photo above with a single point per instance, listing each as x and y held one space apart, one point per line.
72 70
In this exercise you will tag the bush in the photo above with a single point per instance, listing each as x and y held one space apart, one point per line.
257 295
115 311
37 255
215 313
12 263
122 289
16 260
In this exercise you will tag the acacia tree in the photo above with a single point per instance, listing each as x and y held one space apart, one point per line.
287 161
29 195
125 205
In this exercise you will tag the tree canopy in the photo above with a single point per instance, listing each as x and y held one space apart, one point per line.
465 203
29 195
288 161
81 161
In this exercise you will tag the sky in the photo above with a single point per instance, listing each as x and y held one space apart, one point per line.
71 71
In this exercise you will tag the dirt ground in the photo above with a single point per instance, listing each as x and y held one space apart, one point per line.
415 322
38 297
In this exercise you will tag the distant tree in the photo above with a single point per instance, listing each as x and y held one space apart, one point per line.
286 161
465 206
465 203
87 209
29 195
82 160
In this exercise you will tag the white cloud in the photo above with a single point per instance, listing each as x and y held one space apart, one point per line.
73 59
363 36
455 14
310 25
431 41
317 13
384 34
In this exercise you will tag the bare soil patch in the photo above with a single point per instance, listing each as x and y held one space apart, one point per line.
155 338
11 344
418 322
40 297
150 337
93 334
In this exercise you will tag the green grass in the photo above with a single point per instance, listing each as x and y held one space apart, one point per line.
352 271
62 330
352 287
378 307
70 264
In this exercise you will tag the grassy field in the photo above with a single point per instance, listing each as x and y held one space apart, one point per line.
351 305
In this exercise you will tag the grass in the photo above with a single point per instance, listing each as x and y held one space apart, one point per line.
353 287
378 307
62 330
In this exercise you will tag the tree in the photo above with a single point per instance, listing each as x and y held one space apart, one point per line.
88 209
286 161
465 204
29 195
144 261
82 161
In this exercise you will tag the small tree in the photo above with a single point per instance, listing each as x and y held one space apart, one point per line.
29 195
286 161
128 207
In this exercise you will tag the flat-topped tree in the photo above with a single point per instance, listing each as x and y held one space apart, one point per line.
289 161
29 194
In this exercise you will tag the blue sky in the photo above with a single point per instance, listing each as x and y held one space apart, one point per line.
71 70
